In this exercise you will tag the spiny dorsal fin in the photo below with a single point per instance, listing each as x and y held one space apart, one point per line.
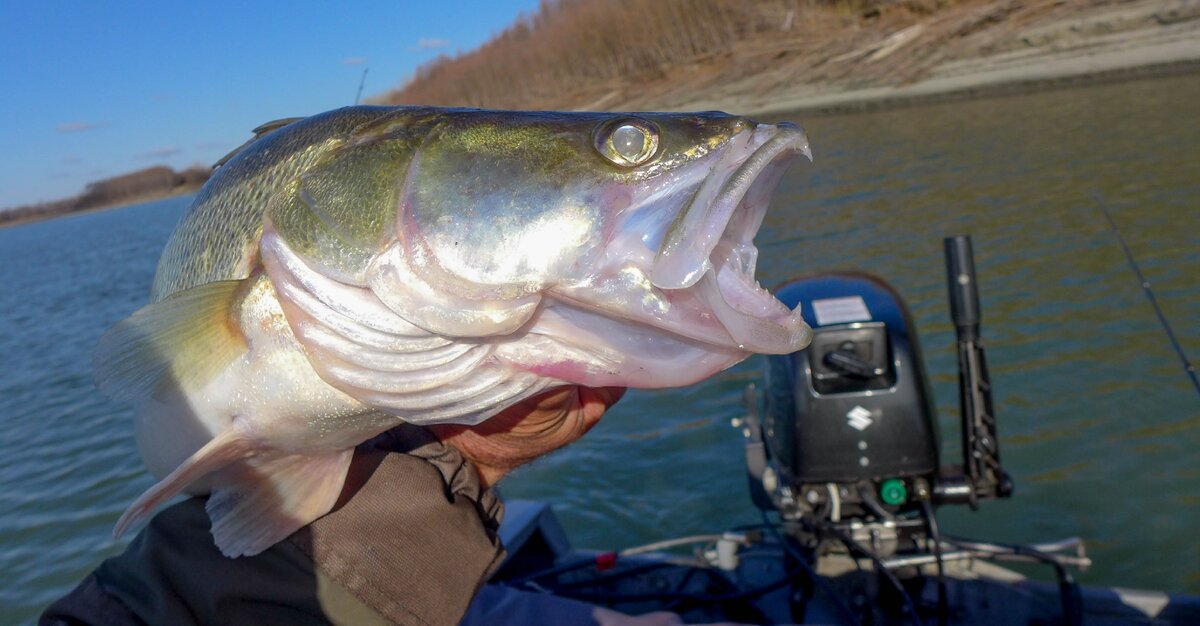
267 127
187 337
261 130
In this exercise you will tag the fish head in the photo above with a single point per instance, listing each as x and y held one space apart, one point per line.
627 237
592 248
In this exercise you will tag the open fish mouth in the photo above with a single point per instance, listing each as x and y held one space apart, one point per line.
729 205
709 249
683 261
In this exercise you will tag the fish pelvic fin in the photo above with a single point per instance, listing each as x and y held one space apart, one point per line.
263 495
224 450
187 337
269 499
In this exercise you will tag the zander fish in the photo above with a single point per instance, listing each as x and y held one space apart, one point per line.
343 273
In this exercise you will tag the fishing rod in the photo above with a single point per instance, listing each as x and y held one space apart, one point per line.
362 81
1188 368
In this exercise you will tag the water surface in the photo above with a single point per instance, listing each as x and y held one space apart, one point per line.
1098 424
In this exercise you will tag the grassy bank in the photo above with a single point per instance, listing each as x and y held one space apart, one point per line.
775 55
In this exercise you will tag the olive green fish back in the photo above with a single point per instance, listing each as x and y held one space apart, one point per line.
217 239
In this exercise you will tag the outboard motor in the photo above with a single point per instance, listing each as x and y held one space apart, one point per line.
854 408
847 438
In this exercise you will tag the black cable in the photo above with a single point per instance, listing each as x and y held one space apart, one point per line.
868 500
853 546
753 525
550 571
934 533
748 611
1162 318
614 576
572 589
812 574
1068 589
607 598
582 563
683 581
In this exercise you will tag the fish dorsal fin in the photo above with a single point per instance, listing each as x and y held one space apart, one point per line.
267 127
259 132
187 338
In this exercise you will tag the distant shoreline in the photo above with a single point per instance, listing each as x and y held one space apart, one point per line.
850 105
1051 71
146 185
118 204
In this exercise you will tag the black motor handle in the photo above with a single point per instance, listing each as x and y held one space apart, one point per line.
983 474
960 278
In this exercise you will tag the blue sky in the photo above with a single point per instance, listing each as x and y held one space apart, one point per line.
93 89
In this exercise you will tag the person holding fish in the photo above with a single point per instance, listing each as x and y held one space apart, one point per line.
370 316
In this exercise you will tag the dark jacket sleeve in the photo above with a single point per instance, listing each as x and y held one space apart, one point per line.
411 546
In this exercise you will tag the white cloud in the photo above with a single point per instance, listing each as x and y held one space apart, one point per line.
431 43
79 127
354 60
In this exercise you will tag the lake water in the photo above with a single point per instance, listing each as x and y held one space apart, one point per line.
1099 426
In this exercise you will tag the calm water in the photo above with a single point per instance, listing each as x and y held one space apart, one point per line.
1099 426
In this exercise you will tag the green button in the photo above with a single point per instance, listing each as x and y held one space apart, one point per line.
893 491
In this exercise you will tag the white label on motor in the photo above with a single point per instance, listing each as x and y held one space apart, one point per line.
840 310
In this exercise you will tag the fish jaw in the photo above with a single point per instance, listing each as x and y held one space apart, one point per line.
693 276
567 342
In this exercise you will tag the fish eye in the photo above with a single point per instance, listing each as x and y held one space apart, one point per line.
628 142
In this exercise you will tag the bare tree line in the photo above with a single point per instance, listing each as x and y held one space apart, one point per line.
576 46
143 184
639 54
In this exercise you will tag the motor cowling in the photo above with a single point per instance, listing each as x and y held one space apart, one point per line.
854 407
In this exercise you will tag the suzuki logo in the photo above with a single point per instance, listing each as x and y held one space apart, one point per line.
859 418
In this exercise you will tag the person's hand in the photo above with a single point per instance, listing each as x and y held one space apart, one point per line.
529 429
605 616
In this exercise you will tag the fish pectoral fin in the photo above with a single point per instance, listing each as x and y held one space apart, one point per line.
224 450
188 337
265 500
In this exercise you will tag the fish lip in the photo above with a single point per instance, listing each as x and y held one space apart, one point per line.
683 257
719 253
